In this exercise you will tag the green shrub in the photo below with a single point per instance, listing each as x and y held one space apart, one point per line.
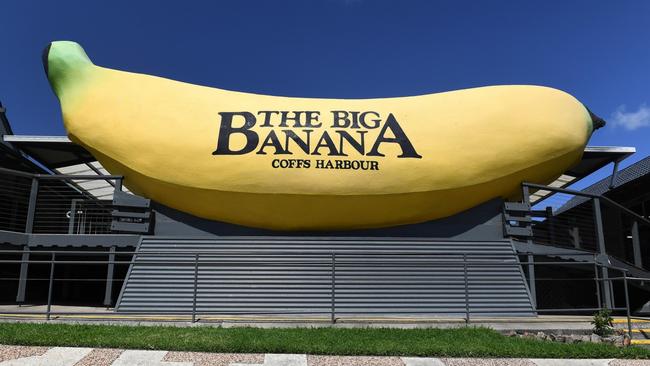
603 323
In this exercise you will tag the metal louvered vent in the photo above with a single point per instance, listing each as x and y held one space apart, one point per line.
345 276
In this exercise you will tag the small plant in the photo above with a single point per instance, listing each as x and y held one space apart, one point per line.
603 323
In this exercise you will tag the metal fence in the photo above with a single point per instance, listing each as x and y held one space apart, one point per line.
34 203
56 204
329 282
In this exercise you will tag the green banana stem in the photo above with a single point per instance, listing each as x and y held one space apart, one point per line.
596 121
66 64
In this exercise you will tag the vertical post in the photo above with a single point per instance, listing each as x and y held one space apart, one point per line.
196 286
333 289
31 208
108 295
118 184
525 194
627 306
50 288
612 181
598 217
636 244
551 224
575 236
531 279
466 288
22 280
597 279
526 200
73 217
29 227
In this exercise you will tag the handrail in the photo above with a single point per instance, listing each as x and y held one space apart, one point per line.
59 176
626 210
16 172
590 195
301 252
561 190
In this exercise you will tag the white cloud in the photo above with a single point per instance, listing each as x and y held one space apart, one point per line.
632 120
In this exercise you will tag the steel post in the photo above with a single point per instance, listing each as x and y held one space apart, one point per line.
551 224
525 192
627 306
118 184
612 181
466 289
108 295
597 280
598 217
333 289
636 244
575 236
22 280
50 287
29 227
531 279
31 208
196 286
73 217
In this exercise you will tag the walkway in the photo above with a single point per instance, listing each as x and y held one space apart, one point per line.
69 356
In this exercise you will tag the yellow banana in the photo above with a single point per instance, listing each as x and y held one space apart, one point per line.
315 164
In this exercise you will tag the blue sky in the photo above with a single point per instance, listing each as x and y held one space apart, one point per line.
599 51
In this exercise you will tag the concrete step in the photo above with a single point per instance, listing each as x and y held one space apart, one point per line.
635 323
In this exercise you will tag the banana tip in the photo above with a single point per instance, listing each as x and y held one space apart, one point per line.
596 121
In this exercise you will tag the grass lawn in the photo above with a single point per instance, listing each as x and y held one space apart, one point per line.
459 342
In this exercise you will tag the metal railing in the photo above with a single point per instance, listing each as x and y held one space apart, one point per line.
56 204
591 222
329 284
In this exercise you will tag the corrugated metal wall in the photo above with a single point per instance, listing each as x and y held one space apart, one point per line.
356 276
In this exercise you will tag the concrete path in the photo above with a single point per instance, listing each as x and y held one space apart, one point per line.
61 356
68 356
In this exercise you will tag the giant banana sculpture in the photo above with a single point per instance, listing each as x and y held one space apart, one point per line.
315 164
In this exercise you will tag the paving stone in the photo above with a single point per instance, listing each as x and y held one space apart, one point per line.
13 352
566 362
353 361
146 358
57 356
215 359
271 359
420 361
100 357
487 362
630 363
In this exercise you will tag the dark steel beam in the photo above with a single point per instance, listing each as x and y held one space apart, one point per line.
22 278
598 218
636 244
108 294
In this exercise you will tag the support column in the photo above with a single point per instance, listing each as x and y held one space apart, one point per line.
531 279
29 227
22 278
31 208
531 259
598 217
612 180
108 295
636 244
551 224
574 232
